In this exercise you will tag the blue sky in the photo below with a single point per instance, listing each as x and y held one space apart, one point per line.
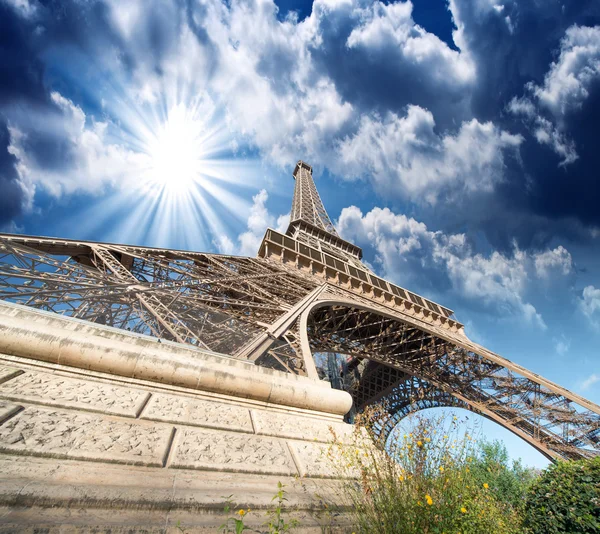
456 142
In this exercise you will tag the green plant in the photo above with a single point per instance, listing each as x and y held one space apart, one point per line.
233 524
509 481
421 481
565 499
277 523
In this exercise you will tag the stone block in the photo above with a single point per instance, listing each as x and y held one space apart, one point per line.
298 427
56 390
6 373
323 461
50 433
196 448
197 412
7 409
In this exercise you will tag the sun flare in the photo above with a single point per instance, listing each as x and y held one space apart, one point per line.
177 149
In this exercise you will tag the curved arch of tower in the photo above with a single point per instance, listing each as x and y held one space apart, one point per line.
306 292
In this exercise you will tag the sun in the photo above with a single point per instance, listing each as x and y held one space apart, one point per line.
176 150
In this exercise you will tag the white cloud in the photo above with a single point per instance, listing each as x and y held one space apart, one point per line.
557 260
65 153
406 152
544 130
224 244
589 382
411 254
272 80
567 83
590 304
26 8
565 88
561 345
390 28
279 98
273 93
259 220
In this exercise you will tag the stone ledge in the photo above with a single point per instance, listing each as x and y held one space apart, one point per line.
36 520
51 338
79 495
21 365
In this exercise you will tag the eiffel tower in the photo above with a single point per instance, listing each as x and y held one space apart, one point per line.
306 294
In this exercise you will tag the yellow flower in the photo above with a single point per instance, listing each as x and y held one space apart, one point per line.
427 440
429 500
455 418
445 436
486 485
468 470
441 469
463 510
242 513
400 478
420 443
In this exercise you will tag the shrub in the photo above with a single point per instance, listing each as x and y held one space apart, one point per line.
423 482
508 480
565 499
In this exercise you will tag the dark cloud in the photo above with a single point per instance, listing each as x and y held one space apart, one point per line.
48 150
539 201
12 194
515 45
84 25
381 78
21 71
302 8
574 190
21 75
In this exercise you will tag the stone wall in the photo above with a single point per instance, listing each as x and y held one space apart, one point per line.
83 448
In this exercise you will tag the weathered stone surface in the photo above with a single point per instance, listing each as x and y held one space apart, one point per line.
207 449
7 409
6 373
44 432
55 390
320 460
63 341
290 426
197 412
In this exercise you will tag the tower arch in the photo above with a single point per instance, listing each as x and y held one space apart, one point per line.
413 366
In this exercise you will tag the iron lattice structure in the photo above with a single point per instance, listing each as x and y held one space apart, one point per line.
307 292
